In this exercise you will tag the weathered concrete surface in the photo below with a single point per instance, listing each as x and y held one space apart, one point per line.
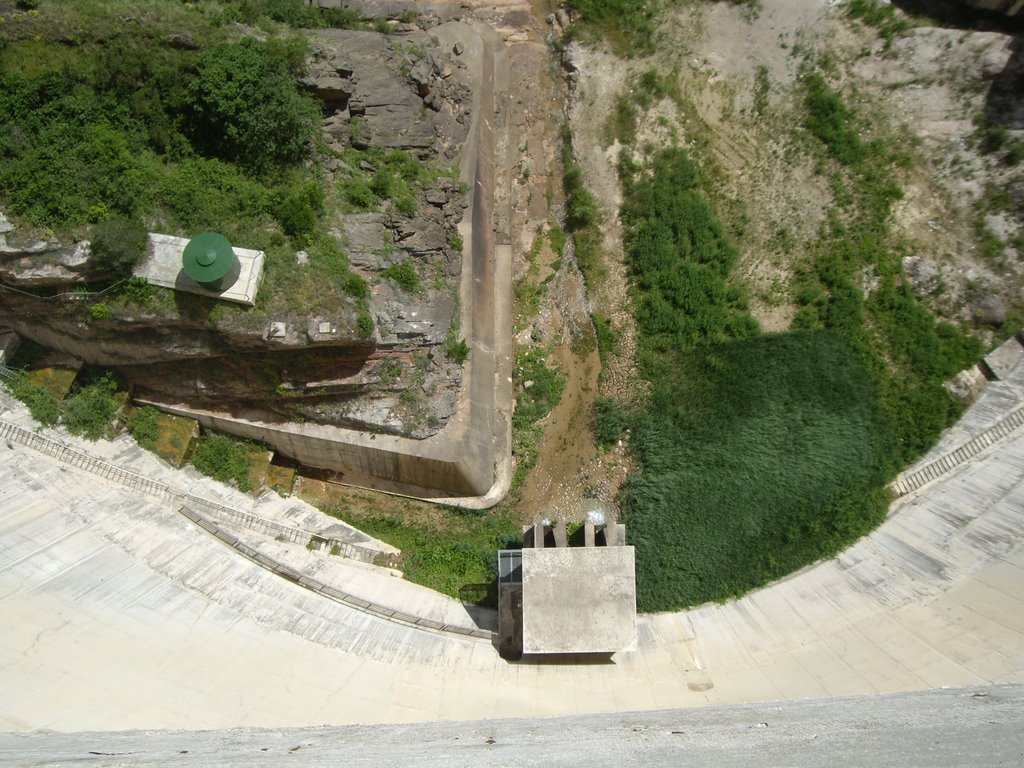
1007 356
981 727
579 600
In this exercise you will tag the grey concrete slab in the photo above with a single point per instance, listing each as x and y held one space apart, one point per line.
960 727
579 600
162 266
1005 358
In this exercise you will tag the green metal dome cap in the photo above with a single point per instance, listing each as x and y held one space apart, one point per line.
208 257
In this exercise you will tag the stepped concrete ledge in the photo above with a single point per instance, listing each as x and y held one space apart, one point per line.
312 523
997 415
468 463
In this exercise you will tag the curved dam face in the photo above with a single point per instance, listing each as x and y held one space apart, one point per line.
464 460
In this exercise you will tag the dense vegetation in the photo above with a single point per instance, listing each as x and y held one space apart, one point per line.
120 117
227 459
894 335
762 453
457 557
92 410
41 403
679 259
758 457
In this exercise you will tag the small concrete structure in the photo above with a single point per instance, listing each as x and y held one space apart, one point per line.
557 598
1004 358
162 265
579 600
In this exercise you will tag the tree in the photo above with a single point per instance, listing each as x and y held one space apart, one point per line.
246 107
116 247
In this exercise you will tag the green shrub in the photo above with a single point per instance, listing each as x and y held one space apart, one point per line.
364 324
144 426
245 106
832 121
100 311
538 388
456 350
404 275
610 421
203 193
556 236
607 338
136 291
116 247
343 18
225 458
40 401
355 286
357 192
300 209
90 412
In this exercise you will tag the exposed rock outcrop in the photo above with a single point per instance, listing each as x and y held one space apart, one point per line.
395 92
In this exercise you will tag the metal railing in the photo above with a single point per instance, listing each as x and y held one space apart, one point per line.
187 503
332 593
911 481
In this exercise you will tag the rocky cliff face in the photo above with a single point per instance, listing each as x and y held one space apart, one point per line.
395 92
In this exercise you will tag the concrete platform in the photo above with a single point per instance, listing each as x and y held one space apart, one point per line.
162 266
579 600
1004 358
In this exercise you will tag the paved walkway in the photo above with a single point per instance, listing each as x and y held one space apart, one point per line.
950 728
119 613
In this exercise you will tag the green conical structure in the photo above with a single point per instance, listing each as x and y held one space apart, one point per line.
210 261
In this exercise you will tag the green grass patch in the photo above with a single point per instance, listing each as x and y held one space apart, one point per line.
629 26
679 259
144 426
538 387
889 22
458 559
404 275
758 457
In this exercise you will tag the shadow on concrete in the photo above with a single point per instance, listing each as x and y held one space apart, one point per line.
564 659
483 617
